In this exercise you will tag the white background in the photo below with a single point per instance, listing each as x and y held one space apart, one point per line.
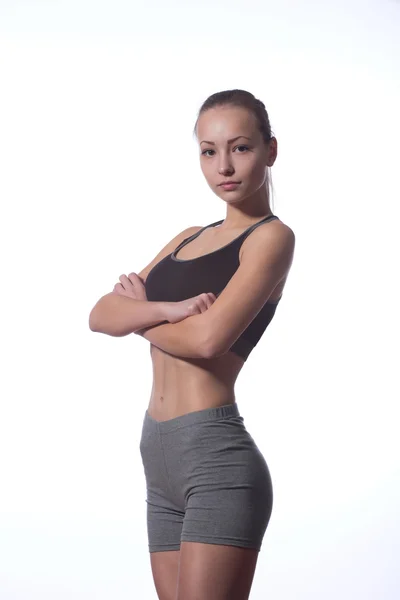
99 170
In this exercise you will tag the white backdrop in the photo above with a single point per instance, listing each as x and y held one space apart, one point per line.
99 170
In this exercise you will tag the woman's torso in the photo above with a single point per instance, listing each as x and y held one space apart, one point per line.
183 385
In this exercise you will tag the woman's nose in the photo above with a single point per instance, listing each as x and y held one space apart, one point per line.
225 168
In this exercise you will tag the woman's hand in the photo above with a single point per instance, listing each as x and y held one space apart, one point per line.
177 311
131 286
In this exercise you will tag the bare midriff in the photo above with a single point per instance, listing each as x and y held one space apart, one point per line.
183 385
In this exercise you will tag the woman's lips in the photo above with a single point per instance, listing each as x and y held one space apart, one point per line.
229 186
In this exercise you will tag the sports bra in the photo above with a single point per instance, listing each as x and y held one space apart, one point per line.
173 280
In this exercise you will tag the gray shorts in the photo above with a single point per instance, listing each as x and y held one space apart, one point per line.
206 481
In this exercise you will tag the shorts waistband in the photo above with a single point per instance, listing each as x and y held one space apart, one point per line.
198 416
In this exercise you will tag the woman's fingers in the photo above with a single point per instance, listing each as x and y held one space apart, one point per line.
125 281
131 286
118 288
138 286
135 279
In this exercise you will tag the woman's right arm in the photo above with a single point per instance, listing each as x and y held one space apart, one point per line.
119 315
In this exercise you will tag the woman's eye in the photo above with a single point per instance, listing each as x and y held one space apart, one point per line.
205 151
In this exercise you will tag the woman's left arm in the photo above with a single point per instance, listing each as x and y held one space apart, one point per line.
183 339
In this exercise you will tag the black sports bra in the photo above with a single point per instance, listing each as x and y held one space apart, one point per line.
173 280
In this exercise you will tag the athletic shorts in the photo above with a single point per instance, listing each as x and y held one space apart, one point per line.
206 481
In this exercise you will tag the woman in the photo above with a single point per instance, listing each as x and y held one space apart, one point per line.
203 303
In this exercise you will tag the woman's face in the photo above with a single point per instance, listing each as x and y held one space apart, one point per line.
244 159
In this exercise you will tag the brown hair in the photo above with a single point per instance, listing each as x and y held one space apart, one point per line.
246 100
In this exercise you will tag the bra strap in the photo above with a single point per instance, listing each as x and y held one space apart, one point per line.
252 227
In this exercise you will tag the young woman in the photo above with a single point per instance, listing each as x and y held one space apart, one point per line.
203 303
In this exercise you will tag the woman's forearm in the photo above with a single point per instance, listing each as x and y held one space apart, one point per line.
185 339
119 315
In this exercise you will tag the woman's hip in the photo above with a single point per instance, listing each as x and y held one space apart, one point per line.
203 452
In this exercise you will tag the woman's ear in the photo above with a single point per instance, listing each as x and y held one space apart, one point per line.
272 151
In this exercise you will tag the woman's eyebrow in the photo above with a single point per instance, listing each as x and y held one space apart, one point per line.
229 141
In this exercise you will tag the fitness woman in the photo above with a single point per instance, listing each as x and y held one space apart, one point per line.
203 303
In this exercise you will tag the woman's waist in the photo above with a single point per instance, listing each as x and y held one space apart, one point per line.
170 400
